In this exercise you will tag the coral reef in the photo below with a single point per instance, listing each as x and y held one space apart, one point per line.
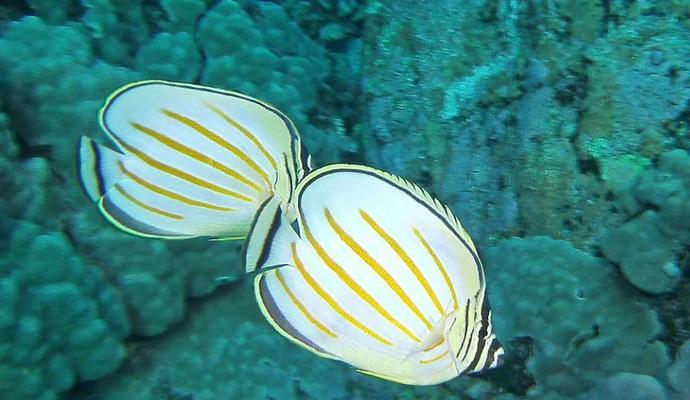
267 56
627 386
155 277
568 119
170 56
60 320
583 321
415 125
649 245
54 86
221 352
679 373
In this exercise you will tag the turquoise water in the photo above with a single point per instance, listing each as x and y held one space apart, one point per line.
558 133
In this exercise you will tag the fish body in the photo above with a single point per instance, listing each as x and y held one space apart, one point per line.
189 160
369 269
350 263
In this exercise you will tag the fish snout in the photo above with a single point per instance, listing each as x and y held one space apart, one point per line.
499 358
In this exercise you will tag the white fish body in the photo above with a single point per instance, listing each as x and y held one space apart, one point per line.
189 160
369 269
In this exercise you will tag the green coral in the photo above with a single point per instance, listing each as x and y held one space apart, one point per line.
183 14
649 246
169 56
679 373
627 386
582 319
645 254
267 56
117 27
60 321
155 276
221 352
55 86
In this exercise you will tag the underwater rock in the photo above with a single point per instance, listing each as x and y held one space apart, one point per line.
634 95
583 320
414 75
222 352
648 246
646 256
627 386
679 373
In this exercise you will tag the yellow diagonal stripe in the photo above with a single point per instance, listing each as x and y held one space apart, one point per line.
403 256
168 193
216 138
189 152
178 173
376 267
145 206
302 308
352 284
246 132
438 357
435 345
439 265
332 302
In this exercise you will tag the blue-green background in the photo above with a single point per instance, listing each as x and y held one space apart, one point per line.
558 131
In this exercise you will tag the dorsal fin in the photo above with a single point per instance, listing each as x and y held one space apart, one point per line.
420 194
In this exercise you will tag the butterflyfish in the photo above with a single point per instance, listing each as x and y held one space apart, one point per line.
189 160
369 269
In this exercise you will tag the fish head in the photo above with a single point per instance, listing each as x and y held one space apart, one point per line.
471 339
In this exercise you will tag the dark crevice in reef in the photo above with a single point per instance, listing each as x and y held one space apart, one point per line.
581 339
589 166
672 310
197 41
12 10
513 376
608 16
21 131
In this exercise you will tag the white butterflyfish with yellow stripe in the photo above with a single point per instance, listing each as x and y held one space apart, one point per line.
367 268
189 160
